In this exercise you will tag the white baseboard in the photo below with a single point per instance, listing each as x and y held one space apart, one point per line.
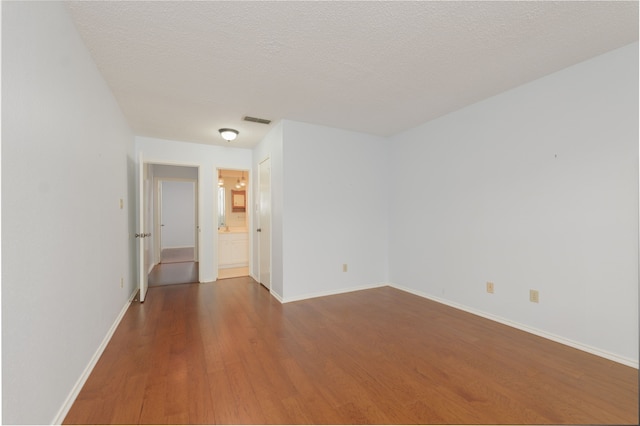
64 410
178 247
277 296
559 339
234 265
271 291
331 292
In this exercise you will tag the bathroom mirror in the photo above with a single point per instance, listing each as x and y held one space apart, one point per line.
238 201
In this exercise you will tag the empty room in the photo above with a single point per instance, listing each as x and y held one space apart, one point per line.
398 212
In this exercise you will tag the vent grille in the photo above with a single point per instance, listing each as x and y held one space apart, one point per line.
257 120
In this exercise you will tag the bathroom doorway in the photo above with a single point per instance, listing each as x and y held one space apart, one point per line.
233 223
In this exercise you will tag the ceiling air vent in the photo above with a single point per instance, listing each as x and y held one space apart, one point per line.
257 120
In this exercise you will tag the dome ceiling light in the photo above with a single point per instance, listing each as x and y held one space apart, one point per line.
228 134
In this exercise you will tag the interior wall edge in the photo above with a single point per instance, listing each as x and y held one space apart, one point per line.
277 296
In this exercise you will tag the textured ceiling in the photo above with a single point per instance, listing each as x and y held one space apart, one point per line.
181 70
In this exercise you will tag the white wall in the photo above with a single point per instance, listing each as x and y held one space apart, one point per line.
174 172
335 210
178 214
536 188
66 155
208 158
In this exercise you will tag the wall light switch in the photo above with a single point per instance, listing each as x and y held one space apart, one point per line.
489 287
121 203
344 267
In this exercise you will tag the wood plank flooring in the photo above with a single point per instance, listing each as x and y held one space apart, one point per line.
173 273
229 353
224 273
178 254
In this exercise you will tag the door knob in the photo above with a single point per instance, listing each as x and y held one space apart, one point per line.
259 229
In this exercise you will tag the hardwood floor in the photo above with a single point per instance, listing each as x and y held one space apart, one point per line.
180 254
173 273
224 273
227 352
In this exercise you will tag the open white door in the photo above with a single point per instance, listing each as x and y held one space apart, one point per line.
264 230
141 234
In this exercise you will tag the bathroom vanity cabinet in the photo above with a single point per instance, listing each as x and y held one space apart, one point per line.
234 249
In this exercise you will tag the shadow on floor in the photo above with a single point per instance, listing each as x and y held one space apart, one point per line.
173 273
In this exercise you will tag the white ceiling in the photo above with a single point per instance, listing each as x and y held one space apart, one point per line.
182 70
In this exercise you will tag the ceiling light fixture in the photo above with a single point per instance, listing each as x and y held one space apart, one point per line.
228 134
243 182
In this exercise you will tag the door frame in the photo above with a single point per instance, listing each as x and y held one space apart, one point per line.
249 212
150 162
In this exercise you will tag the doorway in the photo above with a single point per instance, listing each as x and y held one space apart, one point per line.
175 222
177 217
233 223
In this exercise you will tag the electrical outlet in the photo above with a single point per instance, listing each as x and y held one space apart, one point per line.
344 267
489 287
534 296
